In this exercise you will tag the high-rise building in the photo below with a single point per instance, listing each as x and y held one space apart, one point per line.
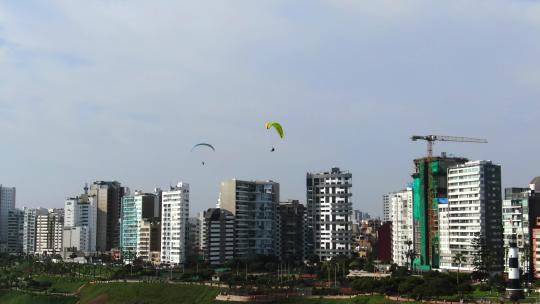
108 197
384 243
430 188
7 202
402 225
329 213
15 231
148 249
534 228
360 216
174 221
49 232
474 214
291 231
515 220
218 236
193 240
80 223
254 205
387 208
30 228
135 208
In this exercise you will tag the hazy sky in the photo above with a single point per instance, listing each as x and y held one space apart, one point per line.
121 90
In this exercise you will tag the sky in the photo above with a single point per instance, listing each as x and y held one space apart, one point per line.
121 90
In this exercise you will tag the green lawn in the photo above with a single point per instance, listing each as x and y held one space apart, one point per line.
147 293
17 297
61 284
376 299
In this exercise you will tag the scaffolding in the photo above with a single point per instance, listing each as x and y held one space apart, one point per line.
430 185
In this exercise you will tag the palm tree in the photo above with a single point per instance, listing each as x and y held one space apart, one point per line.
410 254
458 258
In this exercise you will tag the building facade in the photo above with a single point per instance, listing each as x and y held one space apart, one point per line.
218 236
534 226
193 240
515 220
402 225
384 243
49 232
387 208
174 221
291 231
329 213
108 196
360 216
80 224
15 231
254 205
474 212
148 249
7 202
429 189
135 209
30 228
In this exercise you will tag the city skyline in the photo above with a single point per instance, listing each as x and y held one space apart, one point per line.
350 82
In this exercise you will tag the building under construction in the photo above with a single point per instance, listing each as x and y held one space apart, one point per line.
430 189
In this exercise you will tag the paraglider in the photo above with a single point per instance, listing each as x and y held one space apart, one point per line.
203 145
279 129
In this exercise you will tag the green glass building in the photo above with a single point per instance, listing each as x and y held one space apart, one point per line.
135 208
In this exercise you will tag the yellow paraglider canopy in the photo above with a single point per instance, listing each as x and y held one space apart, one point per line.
277 127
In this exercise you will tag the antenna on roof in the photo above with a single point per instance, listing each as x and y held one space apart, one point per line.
85 188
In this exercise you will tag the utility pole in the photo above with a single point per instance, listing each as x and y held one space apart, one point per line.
335 276
329 276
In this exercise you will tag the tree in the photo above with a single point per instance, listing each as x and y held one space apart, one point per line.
483 260
410 254
409 284
458 258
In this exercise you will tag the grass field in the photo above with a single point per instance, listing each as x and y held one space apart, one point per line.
147 293
61 284
377 299
17 297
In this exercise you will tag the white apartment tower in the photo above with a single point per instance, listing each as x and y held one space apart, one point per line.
30 228
80 222
401 203
387 208
474 213
174 221
49 232
515 219
329 214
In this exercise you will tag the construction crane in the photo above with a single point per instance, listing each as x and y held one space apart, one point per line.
432 138
433 210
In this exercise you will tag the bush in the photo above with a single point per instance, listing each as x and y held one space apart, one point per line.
465 288
484 287
365 285
407 286
389 286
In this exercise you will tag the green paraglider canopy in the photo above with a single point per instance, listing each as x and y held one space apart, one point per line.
277 127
